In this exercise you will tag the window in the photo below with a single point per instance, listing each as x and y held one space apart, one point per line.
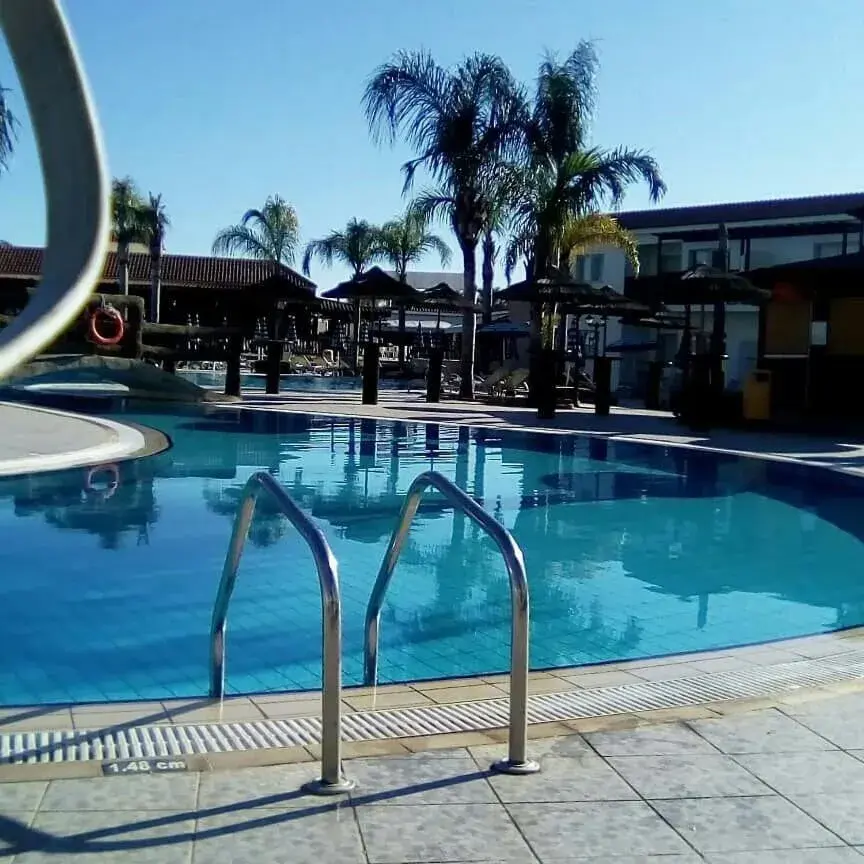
827 250
647 259
579 268
671 257
699 257
588 268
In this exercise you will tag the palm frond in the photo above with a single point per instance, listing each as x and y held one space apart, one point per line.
128 212
409 94
242 241
8 129
596 229
271 233
358 245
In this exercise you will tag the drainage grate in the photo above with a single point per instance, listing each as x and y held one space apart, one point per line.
141 742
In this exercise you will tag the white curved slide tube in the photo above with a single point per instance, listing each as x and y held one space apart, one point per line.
73 169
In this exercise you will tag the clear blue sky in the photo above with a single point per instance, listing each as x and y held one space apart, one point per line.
216 104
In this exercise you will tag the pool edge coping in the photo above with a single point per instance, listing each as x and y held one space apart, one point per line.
126 441
816 655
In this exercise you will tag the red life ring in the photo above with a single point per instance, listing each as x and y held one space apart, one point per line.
107 313
110 483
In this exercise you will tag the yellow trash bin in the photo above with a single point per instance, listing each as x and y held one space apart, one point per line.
757 395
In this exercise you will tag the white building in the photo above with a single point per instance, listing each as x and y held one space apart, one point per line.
761 234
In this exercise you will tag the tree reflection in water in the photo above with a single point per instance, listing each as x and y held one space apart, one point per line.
109 502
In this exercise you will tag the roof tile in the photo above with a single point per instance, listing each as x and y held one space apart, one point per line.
177 270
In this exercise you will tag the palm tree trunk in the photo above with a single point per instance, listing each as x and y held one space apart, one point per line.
469 318
403 279
488 276
357 320
155 283
123 267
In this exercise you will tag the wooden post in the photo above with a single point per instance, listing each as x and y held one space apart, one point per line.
232 373
274 366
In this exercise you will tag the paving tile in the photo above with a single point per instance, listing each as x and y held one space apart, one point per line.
21 796
157 837
720 664
838 719
582 777
760 732
687 776
277 787
142 792
92 720
665 740
667 673
467 694
538 748
842 813
15 830
590 680
564 832
327 833
693 858
833 855
228 713
467 832
278 708
37 720
770 656
406 699
807 773
743 824
419 779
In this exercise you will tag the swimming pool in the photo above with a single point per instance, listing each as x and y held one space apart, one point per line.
632 551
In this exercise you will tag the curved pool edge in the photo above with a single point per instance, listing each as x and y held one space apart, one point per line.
102 440
47 742
422 412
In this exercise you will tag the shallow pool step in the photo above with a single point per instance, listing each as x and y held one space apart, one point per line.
141 742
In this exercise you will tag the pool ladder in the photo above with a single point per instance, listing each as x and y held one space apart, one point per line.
332 780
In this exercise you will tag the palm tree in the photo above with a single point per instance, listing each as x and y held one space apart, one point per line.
462 122
562 177
562 183
156 222
406 241
270 234
128 225
358 246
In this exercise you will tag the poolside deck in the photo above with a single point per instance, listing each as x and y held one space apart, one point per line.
776 785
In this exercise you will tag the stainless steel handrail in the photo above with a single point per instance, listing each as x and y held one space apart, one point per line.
332 780
517 761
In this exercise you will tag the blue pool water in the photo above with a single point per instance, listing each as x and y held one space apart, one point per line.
632 551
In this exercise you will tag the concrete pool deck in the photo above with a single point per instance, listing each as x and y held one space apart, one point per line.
35 439
782 785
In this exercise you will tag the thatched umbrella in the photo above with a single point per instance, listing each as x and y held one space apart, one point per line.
442 297
371 286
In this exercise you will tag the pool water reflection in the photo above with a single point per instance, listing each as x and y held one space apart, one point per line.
632 551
